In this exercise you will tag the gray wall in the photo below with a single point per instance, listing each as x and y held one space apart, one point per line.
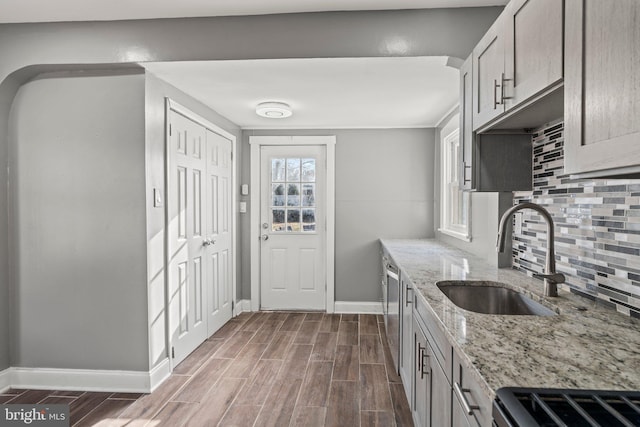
23 47
156 91
384 189
78 223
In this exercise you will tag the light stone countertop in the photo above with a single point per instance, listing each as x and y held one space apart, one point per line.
593 349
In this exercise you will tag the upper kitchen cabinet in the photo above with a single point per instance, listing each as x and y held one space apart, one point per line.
518 67
602 87
533 49
490 162
466 124
488 74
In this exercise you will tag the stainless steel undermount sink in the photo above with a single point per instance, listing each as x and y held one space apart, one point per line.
491 298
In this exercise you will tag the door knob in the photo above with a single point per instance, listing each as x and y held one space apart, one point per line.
265 225
208 242
264 237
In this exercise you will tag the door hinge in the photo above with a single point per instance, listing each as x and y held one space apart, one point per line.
232 305
173 352
170 129
232 156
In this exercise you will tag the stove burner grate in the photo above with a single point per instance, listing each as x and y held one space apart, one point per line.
571 408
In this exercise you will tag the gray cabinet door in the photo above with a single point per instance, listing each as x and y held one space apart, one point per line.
469 393
406 338
533 48
458 417
421 378
488 75
466 123
602 85
440 396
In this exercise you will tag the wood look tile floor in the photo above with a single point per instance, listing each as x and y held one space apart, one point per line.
261 369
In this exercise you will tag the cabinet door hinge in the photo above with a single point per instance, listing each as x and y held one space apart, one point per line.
173 352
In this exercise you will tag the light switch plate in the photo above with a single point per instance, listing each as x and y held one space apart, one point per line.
157 198
243 207
244 189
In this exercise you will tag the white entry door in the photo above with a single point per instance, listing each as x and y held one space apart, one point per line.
199 234
293 227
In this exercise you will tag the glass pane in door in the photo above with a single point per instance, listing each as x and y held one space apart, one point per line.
277 170
292 189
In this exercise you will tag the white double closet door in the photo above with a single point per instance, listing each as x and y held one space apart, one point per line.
199 207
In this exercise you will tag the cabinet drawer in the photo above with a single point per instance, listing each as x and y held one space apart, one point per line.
467 394
441 347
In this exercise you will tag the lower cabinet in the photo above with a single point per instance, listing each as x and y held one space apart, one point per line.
440 396
470 406
406 334
421 383
431 403
443 391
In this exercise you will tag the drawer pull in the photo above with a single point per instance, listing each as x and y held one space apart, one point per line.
463 399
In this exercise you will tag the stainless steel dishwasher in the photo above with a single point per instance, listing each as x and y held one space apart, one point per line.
392 309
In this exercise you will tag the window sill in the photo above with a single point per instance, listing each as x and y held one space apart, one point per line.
462 236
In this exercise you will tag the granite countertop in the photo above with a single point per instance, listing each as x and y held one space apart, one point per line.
596 348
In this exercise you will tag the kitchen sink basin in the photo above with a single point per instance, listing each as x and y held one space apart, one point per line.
491 298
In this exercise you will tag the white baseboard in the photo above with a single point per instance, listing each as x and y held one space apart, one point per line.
5 380
243 305
347 307
158 374
86 379
358 307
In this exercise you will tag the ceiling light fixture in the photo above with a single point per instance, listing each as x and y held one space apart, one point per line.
274 110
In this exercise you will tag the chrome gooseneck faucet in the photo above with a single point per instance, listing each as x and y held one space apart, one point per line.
550 276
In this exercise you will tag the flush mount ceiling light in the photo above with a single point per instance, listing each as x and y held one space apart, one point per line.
274 110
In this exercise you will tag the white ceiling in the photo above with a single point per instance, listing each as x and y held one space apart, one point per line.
324 93
103 10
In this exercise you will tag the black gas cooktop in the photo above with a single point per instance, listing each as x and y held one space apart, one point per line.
526 407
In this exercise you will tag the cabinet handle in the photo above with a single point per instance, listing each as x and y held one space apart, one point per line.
464 172
423 356
407 301
495 96
463 399
421 350
502 80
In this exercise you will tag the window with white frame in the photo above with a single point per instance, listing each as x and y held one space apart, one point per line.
455 203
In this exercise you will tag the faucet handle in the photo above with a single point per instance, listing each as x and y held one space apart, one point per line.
553 277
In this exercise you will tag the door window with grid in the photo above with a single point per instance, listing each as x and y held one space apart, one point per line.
293 189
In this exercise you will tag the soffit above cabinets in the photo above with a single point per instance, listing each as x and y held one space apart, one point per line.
327 93
13 11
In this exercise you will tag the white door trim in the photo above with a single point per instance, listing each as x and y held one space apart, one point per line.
171 105
330 143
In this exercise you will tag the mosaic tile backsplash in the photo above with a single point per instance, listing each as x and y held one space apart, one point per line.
597 225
